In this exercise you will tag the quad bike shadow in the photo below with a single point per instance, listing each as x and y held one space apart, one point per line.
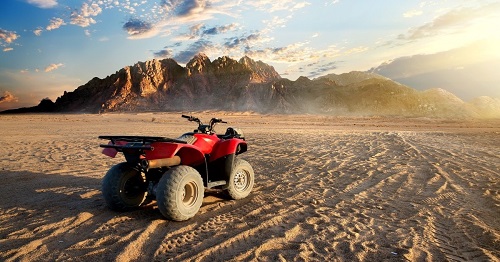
176 172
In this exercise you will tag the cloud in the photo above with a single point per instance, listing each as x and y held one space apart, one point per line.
219 29
166 53
90 10
477 75
244 41
184 7
454 20
470 54
38 31
43 3
200 46
7 37
296 52
194 31
191 7
191 11
199 30
170 15
84 17
52 67
138 28
412 13
7 49
273 5
7 97
55 23
319 69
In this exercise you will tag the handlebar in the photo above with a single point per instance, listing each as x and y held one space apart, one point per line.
218 120
192 118
205 128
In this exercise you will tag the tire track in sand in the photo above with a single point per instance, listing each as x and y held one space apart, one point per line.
448 209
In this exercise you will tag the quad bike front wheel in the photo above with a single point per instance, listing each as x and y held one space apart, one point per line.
123 187
241 180
180 193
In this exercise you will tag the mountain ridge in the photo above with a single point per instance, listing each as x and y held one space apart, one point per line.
248 85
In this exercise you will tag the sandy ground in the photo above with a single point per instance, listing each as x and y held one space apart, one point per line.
327 189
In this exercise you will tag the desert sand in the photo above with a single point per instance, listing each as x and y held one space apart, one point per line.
327 189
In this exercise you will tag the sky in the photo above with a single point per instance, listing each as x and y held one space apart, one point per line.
51 46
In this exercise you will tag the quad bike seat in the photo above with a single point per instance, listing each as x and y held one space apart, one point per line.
232 132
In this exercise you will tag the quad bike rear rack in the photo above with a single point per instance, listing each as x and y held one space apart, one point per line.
134 140
143 139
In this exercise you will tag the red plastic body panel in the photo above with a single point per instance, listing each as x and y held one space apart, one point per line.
226 147
162 150
205 143
189 154
111 152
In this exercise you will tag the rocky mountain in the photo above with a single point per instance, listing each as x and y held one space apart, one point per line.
248 85
165 85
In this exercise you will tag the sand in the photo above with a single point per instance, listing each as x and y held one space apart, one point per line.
327 189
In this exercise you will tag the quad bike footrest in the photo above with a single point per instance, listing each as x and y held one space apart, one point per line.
216 183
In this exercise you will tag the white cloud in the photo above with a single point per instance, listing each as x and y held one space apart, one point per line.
7 49
52 67
84 17
275 22
55 23
296 52
7 36
79 20
412 13
91 10
43 3
453 21
273 5
38 32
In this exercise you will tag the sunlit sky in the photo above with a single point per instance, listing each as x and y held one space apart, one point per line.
51 46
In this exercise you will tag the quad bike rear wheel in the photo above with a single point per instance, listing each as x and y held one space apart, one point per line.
180 193
123 187
241 180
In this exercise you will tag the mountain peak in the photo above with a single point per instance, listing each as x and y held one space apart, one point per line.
198 64
352 77
261 72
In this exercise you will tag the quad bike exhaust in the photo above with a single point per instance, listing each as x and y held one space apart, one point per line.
162 162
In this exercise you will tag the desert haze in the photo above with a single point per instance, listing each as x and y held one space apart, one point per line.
327 189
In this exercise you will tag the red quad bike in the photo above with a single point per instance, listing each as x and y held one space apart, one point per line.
176 172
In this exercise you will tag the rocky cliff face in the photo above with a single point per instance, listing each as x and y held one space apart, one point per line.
165 85
248 85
